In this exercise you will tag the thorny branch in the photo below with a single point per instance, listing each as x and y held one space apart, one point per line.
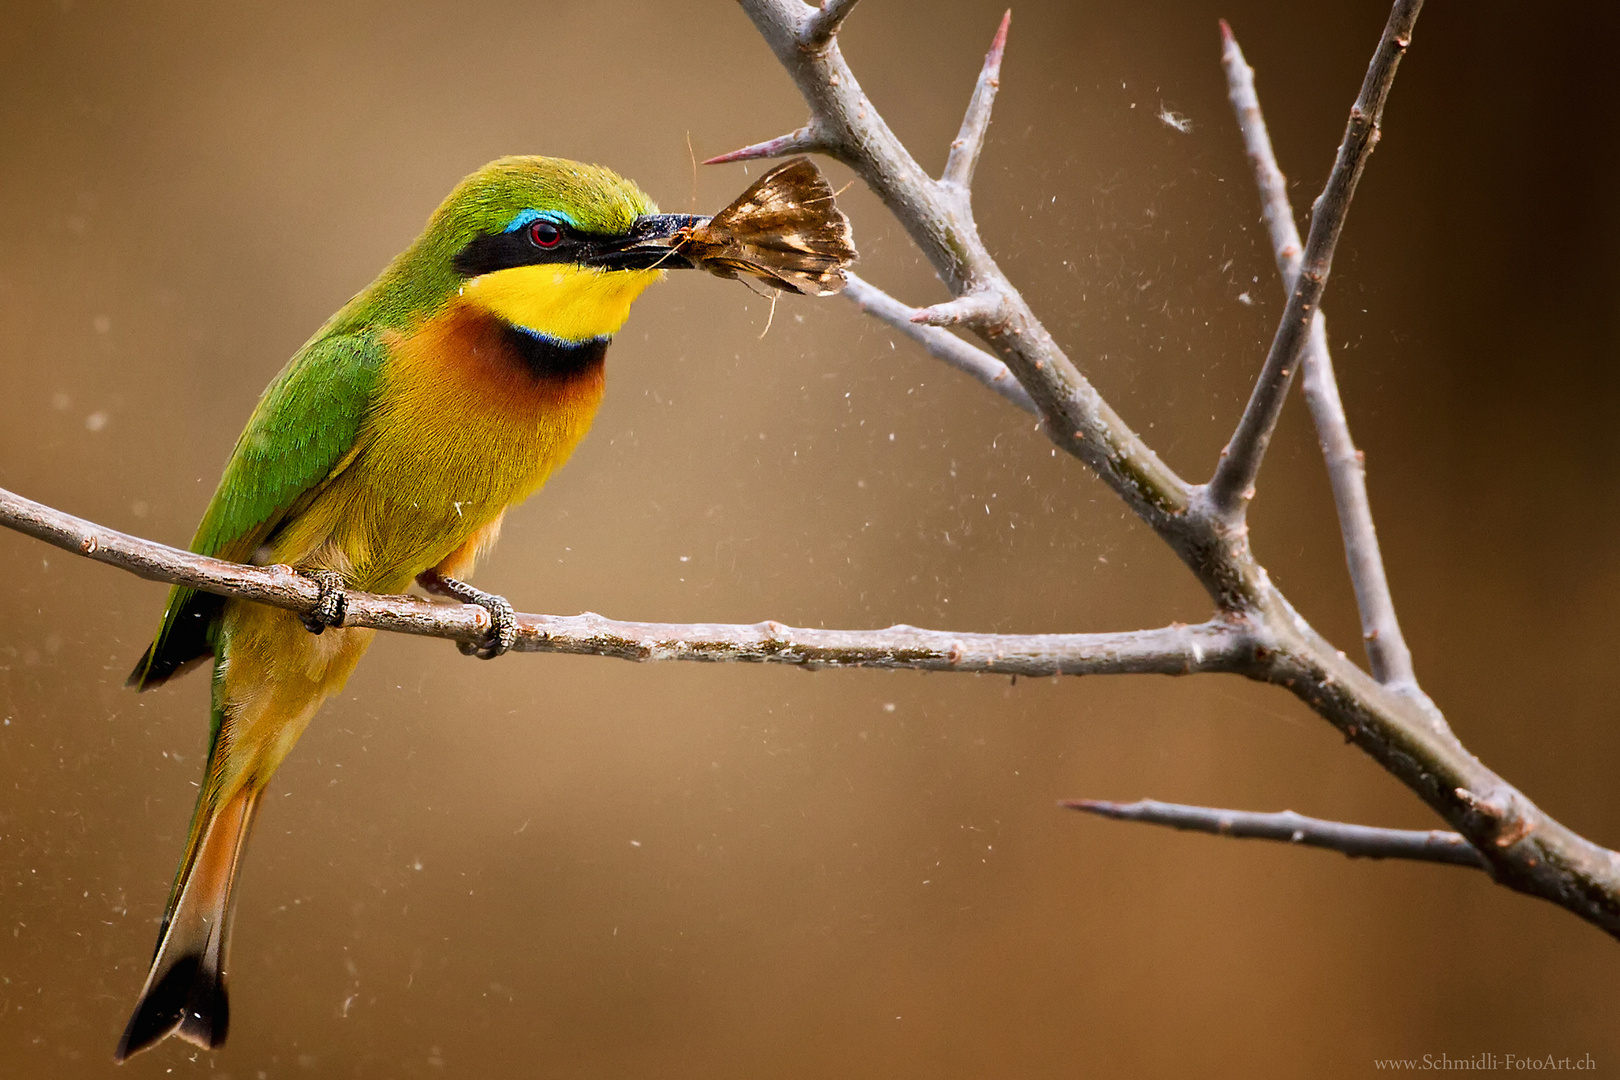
1388 718
1255 632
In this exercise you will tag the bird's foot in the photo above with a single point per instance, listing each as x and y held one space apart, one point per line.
331 605
502 618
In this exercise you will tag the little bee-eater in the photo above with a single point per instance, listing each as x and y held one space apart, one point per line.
384 453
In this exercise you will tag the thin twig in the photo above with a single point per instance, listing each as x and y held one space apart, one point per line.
1232 486
1273 185
1356 841
1171 650
940 344
1387 653
964 155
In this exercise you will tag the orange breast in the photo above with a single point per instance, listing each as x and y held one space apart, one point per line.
470 420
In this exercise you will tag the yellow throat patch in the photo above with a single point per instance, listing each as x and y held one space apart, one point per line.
561 300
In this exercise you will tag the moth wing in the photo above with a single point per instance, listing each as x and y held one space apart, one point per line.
787 230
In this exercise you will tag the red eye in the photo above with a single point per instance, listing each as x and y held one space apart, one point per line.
544 234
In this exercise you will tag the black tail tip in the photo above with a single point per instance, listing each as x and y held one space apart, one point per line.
189 1001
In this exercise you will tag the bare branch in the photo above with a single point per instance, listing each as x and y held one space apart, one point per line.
964 156
1232 486
1171 650
1387 652
826 20
1356 841
1527 850
806 140
938 343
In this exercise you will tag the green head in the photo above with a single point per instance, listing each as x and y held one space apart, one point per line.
557 247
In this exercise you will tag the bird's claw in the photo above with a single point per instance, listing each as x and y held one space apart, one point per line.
502 627
502 617
332 604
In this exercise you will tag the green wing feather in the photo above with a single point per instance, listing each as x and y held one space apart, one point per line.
304 431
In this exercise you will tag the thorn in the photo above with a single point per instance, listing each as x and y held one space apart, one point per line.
964 156
804 141
1514 831
971 308
998 46
825 21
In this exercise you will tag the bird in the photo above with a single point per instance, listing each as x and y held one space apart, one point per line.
386 452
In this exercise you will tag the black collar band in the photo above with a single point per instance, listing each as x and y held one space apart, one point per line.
547 358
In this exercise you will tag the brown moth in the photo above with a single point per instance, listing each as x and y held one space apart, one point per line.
784 230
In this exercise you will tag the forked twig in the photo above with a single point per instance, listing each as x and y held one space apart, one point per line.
1232 486
1387 652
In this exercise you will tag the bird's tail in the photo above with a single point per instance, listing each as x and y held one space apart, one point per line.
185 990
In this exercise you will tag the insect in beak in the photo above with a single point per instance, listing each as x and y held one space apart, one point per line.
784 231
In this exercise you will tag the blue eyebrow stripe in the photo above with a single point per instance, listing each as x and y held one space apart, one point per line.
528 217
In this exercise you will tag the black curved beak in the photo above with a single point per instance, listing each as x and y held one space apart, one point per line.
649 245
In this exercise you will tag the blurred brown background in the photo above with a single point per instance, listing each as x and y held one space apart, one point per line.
580 867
